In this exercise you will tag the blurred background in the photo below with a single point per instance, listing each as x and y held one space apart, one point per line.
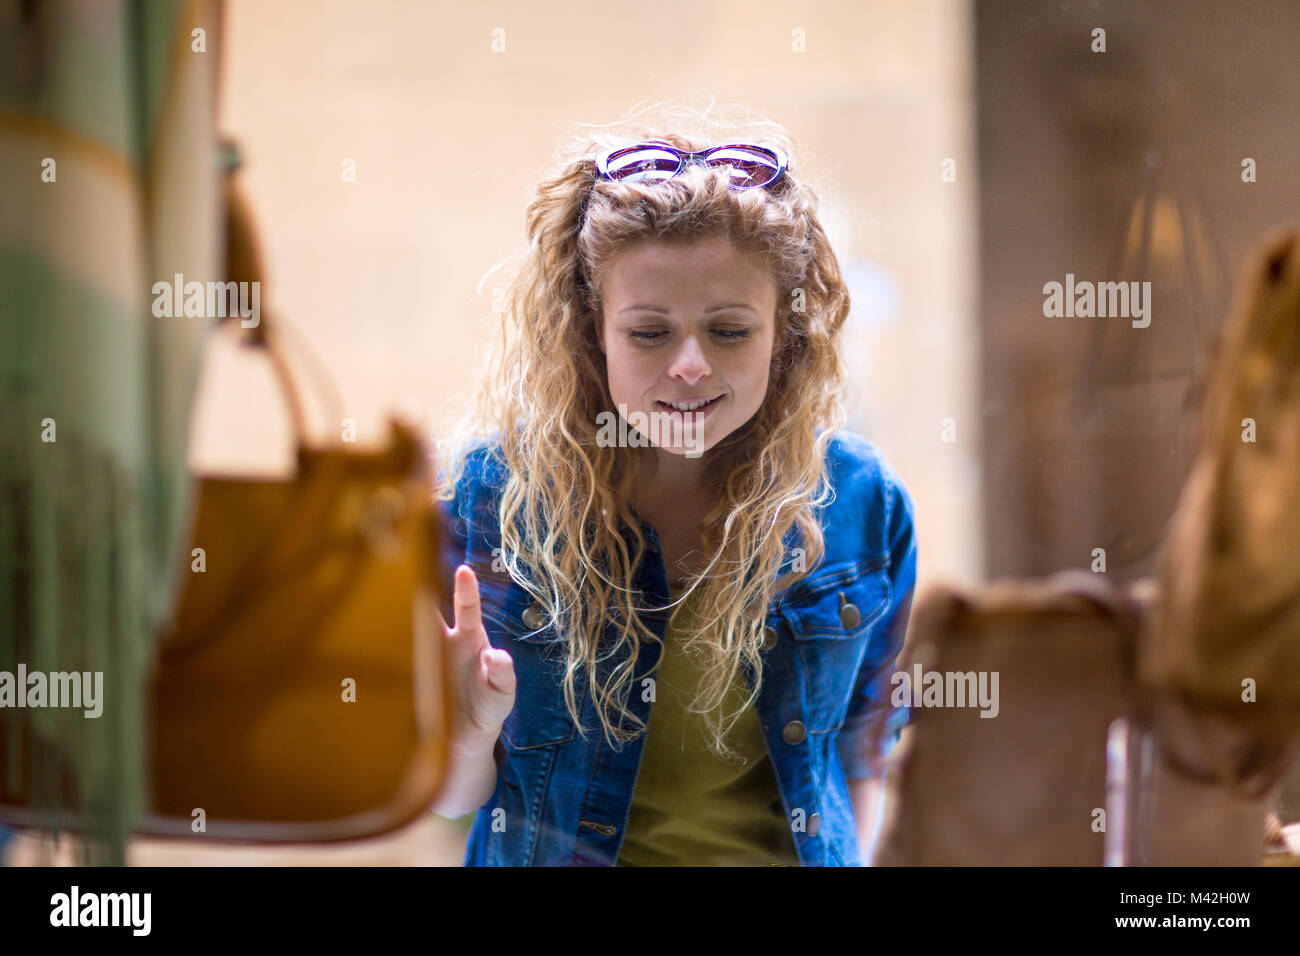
966 153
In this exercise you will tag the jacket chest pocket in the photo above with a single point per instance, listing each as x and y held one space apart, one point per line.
831 617
514 624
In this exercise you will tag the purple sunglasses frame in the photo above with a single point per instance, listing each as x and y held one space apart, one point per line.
685 158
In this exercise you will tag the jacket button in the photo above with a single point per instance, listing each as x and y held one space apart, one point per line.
793 732
769 638
533 618
850 616
814 824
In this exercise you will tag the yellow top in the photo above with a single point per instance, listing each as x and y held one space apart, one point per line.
690 807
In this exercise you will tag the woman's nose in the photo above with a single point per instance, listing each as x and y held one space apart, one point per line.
689 362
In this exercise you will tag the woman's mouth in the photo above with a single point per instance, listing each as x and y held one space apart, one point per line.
692 408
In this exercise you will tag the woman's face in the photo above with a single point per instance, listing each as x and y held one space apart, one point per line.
686 322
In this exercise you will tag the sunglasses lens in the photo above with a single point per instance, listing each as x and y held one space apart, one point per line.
641 163
748 167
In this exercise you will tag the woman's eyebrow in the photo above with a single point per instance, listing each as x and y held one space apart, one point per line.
663 311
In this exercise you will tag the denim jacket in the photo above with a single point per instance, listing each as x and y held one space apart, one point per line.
832 639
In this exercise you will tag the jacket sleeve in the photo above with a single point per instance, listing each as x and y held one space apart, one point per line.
872 725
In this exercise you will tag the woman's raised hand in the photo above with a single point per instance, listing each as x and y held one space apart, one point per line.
483 676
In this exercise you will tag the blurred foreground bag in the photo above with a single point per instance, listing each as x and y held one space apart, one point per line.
302 693
1019 787
1042 782
1222 660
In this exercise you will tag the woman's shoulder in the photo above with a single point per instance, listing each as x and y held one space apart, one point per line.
868 494
478 468
479 462
857 463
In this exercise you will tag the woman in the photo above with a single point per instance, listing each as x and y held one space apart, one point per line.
671 522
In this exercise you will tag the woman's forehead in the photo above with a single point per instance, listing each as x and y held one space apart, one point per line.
708 254
652 269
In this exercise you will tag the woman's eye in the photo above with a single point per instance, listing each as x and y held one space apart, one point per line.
726 335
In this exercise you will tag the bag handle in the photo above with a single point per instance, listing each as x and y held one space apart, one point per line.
245 263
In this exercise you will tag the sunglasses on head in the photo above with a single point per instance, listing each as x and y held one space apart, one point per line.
749 165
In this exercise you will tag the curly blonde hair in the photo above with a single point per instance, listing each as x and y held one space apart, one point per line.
566 495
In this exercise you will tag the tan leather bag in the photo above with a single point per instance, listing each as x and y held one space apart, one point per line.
1042 783
1021 787
1222 660
302 693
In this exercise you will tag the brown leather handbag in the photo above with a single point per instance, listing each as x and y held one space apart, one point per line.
1064 772
1222 659
302 693
1018 787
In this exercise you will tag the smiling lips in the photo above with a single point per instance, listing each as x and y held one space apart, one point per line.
690 406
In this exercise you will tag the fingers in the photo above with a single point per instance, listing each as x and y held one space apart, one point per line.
468 613
498 670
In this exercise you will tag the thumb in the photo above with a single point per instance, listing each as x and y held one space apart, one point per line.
498 670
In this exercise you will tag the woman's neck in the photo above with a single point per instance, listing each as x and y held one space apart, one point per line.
668 480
